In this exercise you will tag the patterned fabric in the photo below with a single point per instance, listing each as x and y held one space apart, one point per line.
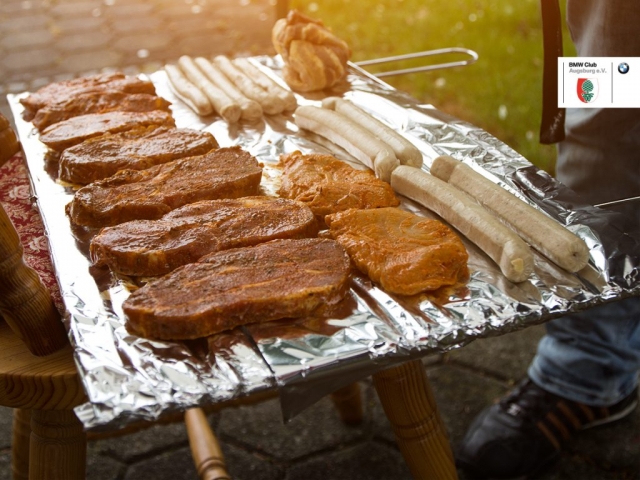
15 196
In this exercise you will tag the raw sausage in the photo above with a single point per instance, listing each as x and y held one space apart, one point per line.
405 151
222 103
541 232
187 91
354 139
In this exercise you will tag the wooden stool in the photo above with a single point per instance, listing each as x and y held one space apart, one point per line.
43 390
48 439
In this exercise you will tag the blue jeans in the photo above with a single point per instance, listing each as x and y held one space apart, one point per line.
593 356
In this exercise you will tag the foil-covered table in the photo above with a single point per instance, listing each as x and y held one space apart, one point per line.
128 378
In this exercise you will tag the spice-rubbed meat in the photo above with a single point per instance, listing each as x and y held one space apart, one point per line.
60 91
155 247
135 149
328 185
273 280
73 131
402 252
98 102
151 193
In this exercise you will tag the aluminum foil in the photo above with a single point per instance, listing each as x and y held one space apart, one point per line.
128 378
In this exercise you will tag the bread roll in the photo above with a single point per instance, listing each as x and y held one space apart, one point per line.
315 59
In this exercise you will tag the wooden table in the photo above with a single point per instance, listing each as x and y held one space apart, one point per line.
38 377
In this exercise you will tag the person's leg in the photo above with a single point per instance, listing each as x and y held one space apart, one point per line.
584 374
589 360
591 357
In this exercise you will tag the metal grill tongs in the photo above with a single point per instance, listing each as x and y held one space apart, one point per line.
472 58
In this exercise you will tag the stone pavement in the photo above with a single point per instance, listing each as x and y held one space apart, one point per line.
316 445
42 41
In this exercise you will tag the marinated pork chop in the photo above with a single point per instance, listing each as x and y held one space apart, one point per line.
151 193
60 91
71 132
98 103
402 252
136 149
328 185
273 280
155 247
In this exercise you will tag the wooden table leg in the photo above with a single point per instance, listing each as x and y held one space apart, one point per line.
205 449
408 401
348 402
20 444
58 446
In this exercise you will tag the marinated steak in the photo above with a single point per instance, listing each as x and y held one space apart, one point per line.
328 185
402 252
59 91
71 132
135 149
273 280
149 194
98 102
155 247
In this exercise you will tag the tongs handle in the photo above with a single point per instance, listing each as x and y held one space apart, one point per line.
473 57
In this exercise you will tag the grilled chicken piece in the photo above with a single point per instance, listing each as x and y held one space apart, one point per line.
155 247
135 149
402 252
328 185
73 131
273 280
98 102
60 91
151 193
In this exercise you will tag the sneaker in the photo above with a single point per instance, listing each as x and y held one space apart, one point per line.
521 436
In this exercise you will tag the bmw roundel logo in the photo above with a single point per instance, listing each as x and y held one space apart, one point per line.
623 68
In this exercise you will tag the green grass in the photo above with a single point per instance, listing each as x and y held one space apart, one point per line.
501 92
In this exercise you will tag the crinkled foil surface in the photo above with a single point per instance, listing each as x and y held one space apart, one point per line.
128 378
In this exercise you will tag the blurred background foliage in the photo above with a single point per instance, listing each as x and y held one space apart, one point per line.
501 92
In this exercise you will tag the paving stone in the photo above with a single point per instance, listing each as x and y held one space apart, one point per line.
91 40
612 449
76 9
35 37
129 9
73 25
261 428
209 45
19 23
369 461
17 8
173 465
460 396
175 11
84 62
5 464
150 41
147 24
506 356
141 444
29 61
100 467
6 420
246 465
